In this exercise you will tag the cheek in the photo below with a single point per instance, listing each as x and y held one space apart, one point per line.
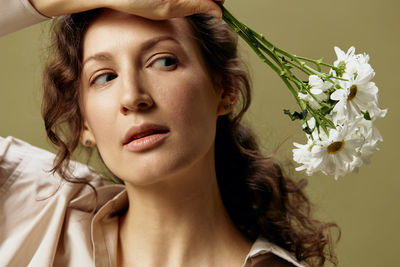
100 115
192 104
192 95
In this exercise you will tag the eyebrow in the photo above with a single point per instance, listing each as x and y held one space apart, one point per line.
146 46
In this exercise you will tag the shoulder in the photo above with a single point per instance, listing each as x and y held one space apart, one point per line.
25 169
17 156
264 253
35 203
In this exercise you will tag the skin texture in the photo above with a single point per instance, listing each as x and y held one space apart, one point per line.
152 9
175 216
142 89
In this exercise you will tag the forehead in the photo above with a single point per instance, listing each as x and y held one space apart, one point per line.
113 28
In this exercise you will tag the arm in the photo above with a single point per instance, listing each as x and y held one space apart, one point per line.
17 14
152 9
34 204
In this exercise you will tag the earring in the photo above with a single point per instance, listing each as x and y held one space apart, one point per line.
228 106
88 142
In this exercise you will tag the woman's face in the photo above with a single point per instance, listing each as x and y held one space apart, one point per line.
147 97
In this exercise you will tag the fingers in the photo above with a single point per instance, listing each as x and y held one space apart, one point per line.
165 9
211 8
152 9
182 8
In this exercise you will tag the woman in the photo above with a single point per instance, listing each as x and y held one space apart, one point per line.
156 98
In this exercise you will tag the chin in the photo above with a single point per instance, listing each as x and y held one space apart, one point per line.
162 165
153 171
174 174
141 181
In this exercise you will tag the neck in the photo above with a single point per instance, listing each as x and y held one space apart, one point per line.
180 222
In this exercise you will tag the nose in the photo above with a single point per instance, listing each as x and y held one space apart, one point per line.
143 102
134 98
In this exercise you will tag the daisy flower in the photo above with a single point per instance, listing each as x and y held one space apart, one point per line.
357 94
317 88
336 155
337 109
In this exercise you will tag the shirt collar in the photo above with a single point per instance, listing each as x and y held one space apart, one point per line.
262 246
106 195
112 201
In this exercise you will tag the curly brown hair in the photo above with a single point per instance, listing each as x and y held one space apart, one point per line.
260 199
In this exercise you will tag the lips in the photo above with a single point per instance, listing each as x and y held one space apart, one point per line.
143 130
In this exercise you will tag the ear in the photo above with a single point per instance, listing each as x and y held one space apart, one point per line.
87 138
227 101
227 89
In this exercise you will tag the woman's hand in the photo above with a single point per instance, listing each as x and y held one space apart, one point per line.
152 9
165 9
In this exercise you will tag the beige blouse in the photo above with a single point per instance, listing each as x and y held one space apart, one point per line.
17 14
45 221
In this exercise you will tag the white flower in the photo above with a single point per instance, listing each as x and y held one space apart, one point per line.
344 57
318 88
375 112
336 155
368 131
345 61
354 139
349 63
366 152
302 154
372 136
357 94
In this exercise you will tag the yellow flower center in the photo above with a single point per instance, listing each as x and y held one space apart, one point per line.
353 92
335 147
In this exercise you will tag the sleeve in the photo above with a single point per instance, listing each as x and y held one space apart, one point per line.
33 203
17 14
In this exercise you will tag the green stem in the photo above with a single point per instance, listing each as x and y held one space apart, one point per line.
255 49
315 98
317 119
260 45
298 67
317 62
247 34
240 27
294 58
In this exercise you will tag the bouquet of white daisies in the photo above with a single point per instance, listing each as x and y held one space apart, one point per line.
338 107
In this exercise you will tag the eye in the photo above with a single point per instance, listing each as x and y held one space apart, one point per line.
103 78
167 62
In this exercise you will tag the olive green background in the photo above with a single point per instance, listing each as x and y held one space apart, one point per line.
365 205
